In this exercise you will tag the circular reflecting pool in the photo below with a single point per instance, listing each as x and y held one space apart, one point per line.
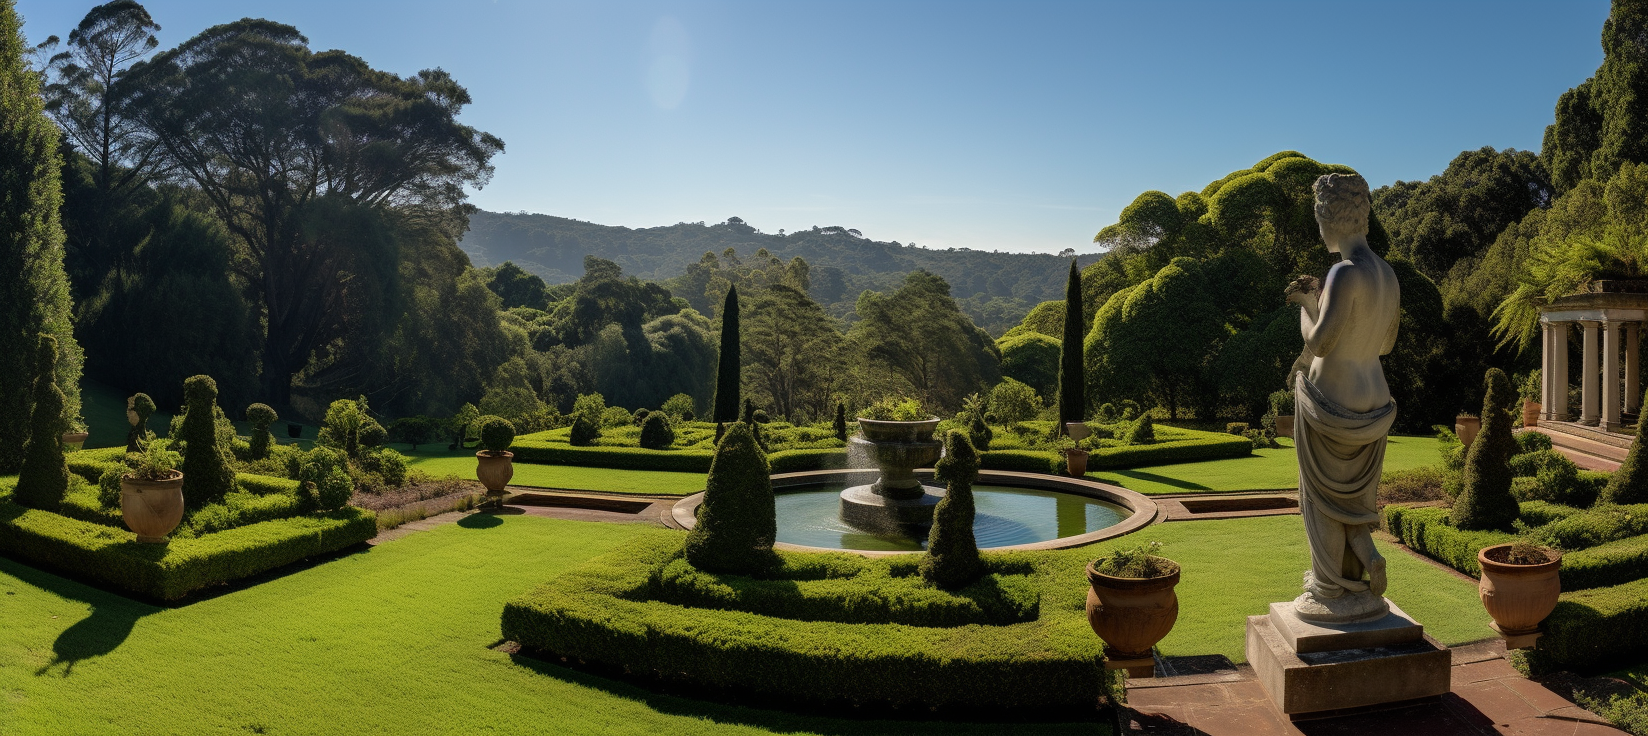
1004 516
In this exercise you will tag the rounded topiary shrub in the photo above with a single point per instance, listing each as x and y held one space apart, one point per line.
1485 501
952 559
656 432
44 477
641 416
208 474
325 483
372 434
497 433
583 432
260 416
141 407
738 521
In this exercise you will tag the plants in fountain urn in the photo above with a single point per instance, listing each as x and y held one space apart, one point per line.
1486 501
208 474
895 410
139 407
44 477
1629 484
952 558
738 520
656 432
261 416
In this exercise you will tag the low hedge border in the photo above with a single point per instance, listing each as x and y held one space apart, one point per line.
1426 531
115 558
601 612
1593 630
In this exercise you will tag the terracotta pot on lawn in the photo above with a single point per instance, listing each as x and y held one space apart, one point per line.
1466 426
1131 614
494 469
1284 425
152 508
74 440
1530 413
1518 597
1075 460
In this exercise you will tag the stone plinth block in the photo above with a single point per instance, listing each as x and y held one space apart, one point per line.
1305 637
1312 682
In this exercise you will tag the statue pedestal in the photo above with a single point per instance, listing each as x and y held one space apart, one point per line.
1309 667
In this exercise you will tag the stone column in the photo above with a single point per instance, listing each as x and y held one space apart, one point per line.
1588 375
1610 376
1547 369
1633 392
1559 397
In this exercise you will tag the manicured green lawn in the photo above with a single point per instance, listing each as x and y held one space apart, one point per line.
570 477
1235 568
1265 470
394 640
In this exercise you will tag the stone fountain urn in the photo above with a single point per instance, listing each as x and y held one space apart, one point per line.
896 500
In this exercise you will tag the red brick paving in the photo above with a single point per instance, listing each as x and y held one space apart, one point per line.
1488 698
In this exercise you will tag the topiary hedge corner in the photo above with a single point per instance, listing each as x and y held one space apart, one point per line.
638 609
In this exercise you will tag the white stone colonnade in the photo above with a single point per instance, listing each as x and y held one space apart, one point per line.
1611 339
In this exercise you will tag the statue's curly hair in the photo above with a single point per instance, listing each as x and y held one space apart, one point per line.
1342 202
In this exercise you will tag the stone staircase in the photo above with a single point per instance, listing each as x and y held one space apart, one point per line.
1589 447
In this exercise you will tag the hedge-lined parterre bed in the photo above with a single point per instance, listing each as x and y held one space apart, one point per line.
1601 550
1593 630
609 611
114 557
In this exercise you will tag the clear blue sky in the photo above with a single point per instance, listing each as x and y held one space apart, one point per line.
1011 125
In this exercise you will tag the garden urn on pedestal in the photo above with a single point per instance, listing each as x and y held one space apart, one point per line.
74 440
1530 413
1466 427
1075 458
495 465
151 495
1132 614
1520 585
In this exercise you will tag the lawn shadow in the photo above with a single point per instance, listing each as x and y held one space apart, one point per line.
112 618
1161 479
487 519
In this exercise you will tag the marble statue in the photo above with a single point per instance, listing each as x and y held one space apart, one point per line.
1343 408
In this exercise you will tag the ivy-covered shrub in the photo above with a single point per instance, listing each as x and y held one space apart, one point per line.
380 470
44 477
738 521
1630 482
260 416
656 432
952 558
584 432
143 407
208 473
497 433
1485 502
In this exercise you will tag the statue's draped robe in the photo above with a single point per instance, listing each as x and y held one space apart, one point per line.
1341 454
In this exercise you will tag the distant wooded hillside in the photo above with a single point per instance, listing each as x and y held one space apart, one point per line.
995 289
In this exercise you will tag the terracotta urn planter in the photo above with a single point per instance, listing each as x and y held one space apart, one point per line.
1518 597
74 440
1131 614
494 469
152 508
1284 425
1075 460
1530 413
1466 426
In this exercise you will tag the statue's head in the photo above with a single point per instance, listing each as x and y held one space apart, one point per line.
1342 205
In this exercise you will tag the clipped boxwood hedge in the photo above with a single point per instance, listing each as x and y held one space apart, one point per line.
1594 630
1427 531
1205 446
113 557
605 612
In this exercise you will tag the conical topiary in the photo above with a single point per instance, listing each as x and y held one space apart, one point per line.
1629 484
1486 501
208 475
44 477
952 559
729 369
738 521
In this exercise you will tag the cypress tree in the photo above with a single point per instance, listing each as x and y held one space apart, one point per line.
207 473
1629 484
728 369
952 559
34 290
738 520
1486 501
1072 381
841 421
45 476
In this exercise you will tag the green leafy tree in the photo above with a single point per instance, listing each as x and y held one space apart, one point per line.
261 416
208 471
737 522
1033 359
792 351
679 406
1603 123
952 558
728 369
45 476
1072 378
1152 340
919 335
1012 401
34 291
1457 214
249 116
414 431
517 287
1486 501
